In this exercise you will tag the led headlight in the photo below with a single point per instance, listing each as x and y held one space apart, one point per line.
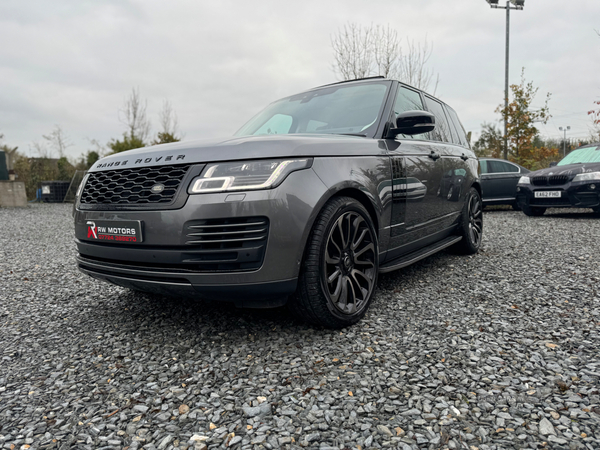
524 180
589 176
246 175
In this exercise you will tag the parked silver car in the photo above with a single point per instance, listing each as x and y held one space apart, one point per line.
305 205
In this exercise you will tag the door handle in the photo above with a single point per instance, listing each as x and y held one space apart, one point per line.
464 157
433 155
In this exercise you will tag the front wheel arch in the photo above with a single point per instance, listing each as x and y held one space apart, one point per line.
317 299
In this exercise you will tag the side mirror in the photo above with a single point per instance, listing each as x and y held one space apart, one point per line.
411 123
553 164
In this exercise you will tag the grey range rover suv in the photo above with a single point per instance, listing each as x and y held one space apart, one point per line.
304 205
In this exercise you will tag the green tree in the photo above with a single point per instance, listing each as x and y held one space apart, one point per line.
127 143
65 169
91 157
489 142
521 120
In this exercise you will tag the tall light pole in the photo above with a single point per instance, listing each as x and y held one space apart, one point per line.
519 4
564 139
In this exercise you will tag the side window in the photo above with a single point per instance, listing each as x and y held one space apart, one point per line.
278 124
442 127
502 167
460 131
408 100
483 166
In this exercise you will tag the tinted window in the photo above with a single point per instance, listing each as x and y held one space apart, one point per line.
501 167
483 166
460 131
408 100
442 128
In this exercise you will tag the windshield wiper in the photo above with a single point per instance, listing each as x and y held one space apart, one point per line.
351 134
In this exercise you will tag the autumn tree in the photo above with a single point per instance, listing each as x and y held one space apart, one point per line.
374 50
595 116
521 119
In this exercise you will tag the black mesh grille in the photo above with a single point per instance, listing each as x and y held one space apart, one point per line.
227 244
133 186
552 180
226 233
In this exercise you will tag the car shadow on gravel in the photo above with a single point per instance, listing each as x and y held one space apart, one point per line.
186 322
162 318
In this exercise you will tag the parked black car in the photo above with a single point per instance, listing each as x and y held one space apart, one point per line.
573 183
309 201
499 180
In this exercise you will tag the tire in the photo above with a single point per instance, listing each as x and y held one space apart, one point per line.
533 211
516 207
340 266
471 225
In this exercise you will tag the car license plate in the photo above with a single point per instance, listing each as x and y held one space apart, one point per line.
547 194
116 231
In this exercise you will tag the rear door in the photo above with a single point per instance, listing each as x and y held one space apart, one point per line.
499 180
454 183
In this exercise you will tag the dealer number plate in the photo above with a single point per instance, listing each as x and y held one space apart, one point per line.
547 194
115 231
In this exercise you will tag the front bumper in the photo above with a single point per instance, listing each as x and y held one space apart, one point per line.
573 195
168 261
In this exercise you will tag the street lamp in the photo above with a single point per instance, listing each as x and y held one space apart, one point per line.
564 139
519 4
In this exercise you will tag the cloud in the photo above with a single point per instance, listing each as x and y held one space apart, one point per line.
73 63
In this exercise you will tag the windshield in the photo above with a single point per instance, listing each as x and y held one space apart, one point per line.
339 109
582 155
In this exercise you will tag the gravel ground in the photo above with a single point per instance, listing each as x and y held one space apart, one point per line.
495 351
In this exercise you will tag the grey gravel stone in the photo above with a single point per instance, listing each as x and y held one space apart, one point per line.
546 427
452 347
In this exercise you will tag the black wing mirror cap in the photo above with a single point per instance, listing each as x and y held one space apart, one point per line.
411 123
553 164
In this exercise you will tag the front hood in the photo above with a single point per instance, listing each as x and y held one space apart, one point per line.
240 148
570 170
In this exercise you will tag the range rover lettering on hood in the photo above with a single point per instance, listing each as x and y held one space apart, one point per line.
140 161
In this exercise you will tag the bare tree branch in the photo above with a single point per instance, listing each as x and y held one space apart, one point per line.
58 140
134 116
168 119
40 149
360 52
414 69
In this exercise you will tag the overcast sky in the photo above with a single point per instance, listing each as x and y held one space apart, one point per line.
73 63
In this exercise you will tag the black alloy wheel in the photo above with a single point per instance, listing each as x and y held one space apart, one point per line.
471 224
349 267
340 267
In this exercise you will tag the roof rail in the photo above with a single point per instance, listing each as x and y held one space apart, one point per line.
349 81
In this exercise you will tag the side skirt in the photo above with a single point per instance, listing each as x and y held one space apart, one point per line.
407 260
